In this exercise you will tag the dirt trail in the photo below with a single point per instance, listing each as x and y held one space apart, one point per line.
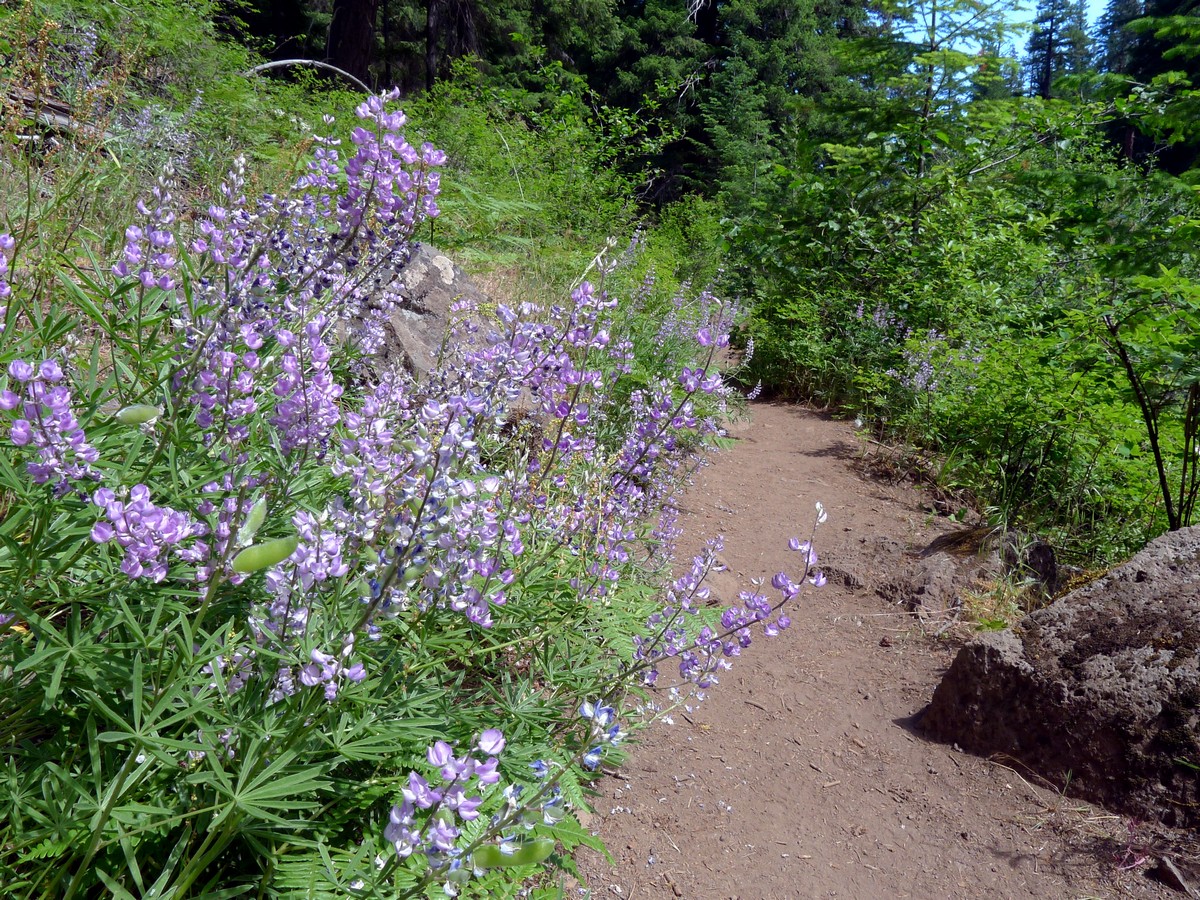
801 775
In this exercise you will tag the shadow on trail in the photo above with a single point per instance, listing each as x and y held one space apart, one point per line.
840 450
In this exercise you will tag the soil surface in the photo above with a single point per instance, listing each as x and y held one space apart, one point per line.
802 774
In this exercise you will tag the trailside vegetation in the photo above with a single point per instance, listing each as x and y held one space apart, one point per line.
274 619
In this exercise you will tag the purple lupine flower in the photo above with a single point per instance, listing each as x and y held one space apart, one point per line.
399 831
307 409
440 754
147 533
491 742
295 585
328 671
451 800
456 800
441 835
7 244
420 793
149 253
48 424
488 771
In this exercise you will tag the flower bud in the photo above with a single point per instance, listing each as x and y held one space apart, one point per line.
260 556
138 414
254 520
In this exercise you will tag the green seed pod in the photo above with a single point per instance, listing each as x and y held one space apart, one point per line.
530 853
138 414
260 556
254 520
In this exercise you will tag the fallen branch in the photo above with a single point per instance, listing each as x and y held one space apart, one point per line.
316 64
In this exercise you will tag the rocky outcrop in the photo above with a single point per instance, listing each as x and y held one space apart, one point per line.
932 584
428 286
1098 692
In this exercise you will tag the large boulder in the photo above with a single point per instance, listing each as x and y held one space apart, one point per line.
428 285
1098 692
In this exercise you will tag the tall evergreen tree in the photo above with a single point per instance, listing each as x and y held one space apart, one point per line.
736 77
1167 49
1167 39
1059 44
998 75
1116 42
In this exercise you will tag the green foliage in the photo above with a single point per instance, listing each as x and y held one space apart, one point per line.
950 281
137 762
540 183
143 758
526 178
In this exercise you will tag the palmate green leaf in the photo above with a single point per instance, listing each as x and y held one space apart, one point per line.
96 300
159 888
135 813
276 786
56 651
151 741
18 484
573 835
51 325
129 844
364 736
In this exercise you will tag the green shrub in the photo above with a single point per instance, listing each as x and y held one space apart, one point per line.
274 621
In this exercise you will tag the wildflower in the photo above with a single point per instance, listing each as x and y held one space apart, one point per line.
308 409
48 424
6 248
149 252
600 716
328 670
591 759
399 831
146 532
491 742
419 792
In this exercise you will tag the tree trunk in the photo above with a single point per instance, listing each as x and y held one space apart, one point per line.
450 32
352 36
433 37
1046 76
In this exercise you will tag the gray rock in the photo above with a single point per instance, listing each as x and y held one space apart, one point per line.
931 583
930 587
1098 692
428 286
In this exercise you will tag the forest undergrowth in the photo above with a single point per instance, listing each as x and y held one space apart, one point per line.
274 619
